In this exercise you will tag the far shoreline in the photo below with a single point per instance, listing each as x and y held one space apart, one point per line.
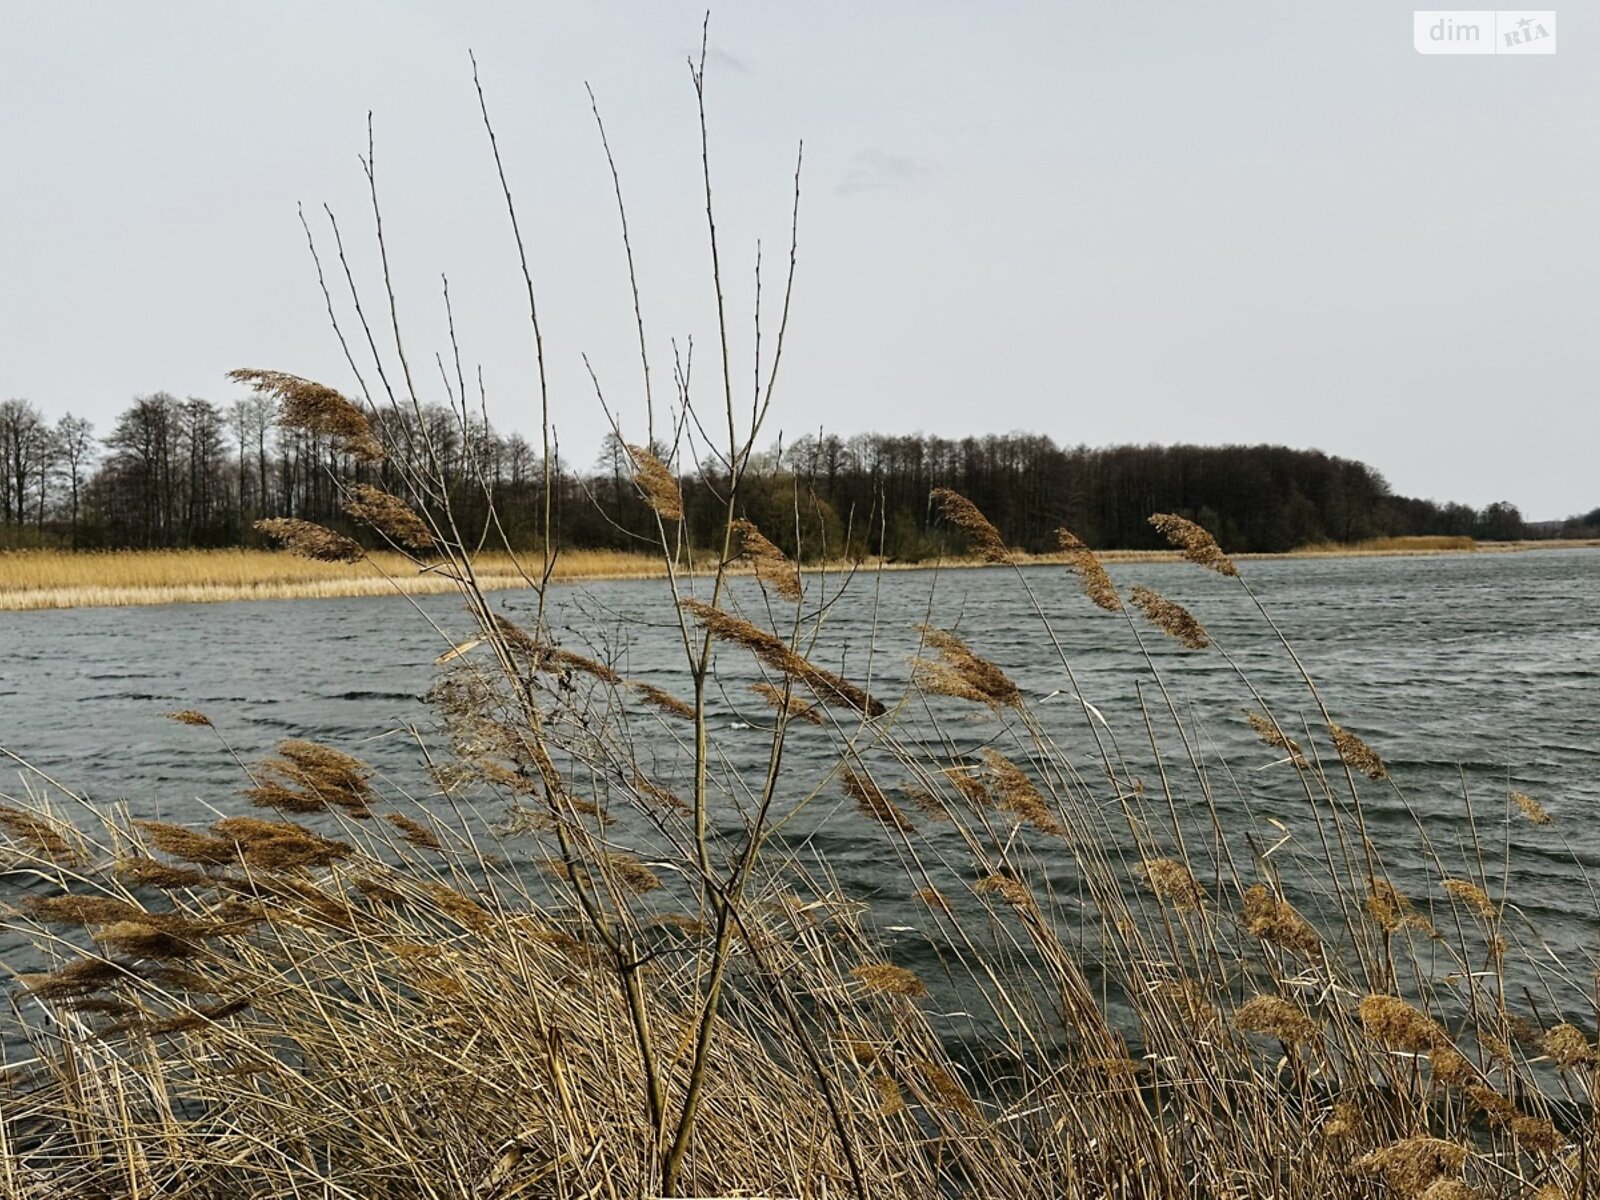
44 580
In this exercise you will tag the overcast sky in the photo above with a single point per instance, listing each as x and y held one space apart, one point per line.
1118 222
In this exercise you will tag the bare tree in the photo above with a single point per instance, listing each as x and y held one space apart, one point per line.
76 445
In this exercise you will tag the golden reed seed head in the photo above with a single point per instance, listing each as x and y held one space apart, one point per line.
1197 545
778 655
1356 754
1537 1134
147 872
926 802
664 700
1412 1164
415 832
964 515
792 706
946 1088
873 803
1531 808
1172 618
1567 1047
1173 882
629 874
1275 1016
310 540
79 978
1473 896
1269 733
773 568
962 674
1395 1023
136 940
389 515
889 979
1346 1120
1495 1107
1081 561
1276 921
1450 1066
1391 911
38 833
188 845
189 716
279 845
656 484
1013 891
890 1100
1014 792
327 768
1449 1189
317 409
89 911
971 788
934 899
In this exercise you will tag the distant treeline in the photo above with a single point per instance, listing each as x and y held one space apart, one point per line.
187 473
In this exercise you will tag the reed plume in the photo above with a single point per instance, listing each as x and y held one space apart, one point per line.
1010 889
1017 794
389 515
791 705
961 673
773 567
890 979
34 831
1567 1046
664 700
1395 1022
1356 754
777 654
317 409
1173 882
1197 545
310 540
1082 562
1170 617
1275 1016
1473 896
1413 1164
1531 808
657 484
1274 920
964 515
1268 731
189 716
873 802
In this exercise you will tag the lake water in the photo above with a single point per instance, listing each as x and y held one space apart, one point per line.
1472 675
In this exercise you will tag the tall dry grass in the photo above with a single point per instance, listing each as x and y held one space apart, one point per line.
41 579
596 954
49 579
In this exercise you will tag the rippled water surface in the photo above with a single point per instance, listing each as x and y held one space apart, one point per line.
1473 675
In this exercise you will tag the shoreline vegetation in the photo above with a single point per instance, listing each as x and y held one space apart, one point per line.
595 947
38 580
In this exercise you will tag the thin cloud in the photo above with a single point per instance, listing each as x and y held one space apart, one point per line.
717 57
876 169
727 61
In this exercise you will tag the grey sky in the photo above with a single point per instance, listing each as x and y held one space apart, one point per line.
1145 222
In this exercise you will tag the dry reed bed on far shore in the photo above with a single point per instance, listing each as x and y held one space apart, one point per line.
51 579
